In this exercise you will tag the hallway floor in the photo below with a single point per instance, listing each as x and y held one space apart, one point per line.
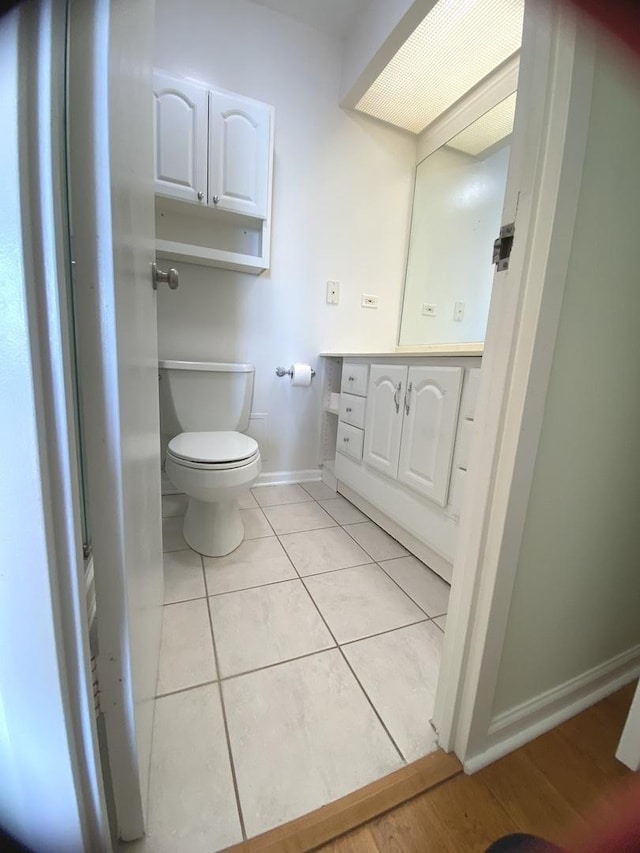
298 668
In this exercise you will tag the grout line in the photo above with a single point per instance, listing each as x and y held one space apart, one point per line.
185 689
344 657
402 589
236 789
278 663
386 631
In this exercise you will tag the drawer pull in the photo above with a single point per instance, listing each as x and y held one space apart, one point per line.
351 378
346 438
348 409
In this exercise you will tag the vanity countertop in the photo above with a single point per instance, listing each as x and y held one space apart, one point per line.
470 349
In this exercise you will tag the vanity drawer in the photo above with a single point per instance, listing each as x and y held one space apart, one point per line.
354 379
350 440
352 409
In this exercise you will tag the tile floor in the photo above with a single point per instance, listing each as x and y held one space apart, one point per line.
293 671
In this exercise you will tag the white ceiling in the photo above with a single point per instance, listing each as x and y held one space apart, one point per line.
335 17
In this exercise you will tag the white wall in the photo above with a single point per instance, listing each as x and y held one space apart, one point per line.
341 208
576 600
456 217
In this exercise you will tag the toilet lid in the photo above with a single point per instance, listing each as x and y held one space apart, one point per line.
213 446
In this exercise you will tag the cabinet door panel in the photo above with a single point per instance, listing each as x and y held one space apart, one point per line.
384 417
239 154
180 128
428 435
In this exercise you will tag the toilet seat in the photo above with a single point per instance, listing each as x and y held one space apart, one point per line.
213 450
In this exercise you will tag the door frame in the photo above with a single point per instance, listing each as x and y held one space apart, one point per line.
545 173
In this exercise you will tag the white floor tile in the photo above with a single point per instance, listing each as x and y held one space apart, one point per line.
295 517
378 544
399 672
425 587
254 563
302 734
247 500
343 511
172 538
192 806
360 602
174 505
319 491
255 523
276 495
441 622
186 650
266 625
314 551
183 578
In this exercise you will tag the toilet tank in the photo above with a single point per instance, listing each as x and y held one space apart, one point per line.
198 396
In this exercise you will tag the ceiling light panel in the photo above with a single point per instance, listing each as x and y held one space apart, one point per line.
454 48
488 130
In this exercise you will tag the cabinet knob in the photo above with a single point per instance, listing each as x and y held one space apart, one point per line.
215 199
348 408
346 438
200 196
351 378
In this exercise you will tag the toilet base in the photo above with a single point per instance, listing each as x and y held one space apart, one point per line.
213 528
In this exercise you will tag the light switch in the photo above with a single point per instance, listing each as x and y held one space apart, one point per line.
333 292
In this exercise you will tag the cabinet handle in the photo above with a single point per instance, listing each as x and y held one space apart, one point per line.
200 196
346 438
407 397
351 378
396 398
215 199
348 409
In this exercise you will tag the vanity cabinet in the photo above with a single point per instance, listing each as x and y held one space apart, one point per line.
402 445
213 174
411 425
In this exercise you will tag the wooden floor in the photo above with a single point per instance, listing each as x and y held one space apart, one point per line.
549 787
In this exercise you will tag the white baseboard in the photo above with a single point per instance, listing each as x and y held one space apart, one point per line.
519 725
277 478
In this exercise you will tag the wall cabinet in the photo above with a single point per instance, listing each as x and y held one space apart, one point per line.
180 111
213 173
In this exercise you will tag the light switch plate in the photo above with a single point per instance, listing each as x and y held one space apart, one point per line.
368 300
429 310
333 292
458 311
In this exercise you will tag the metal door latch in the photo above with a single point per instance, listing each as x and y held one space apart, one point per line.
502 247
159 277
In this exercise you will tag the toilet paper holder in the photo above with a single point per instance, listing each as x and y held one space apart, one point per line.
280 371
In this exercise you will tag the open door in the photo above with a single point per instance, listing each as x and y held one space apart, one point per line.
629 747
110 158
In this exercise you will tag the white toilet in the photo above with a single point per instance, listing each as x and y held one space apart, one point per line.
204 406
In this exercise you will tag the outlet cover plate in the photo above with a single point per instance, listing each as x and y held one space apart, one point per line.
368 300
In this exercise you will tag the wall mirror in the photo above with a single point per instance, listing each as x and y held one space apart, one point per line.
457 208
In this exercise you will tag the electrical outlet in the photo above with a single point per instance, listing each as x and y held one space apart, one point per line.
458 311
369 301
333 292
429 310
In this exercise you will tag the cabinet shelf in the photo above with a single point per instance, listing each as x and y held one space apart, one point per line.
331 410
210 257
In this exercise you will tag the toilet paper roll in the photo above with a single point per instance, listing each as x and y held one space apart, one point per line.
301 375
